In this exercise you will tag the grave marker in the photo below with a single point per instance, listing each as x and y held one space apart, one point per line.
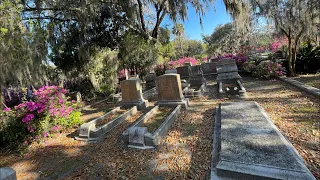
170 91
132 94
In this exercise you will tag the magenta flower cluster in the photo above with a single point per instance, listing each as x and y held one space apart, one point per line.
239 58
49 100
182 61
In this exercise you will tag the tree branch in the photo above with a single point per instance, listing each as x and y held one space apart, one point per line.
141 16
49 17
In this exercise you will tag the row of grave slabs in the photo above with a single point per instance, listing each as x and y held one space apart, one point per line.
147 131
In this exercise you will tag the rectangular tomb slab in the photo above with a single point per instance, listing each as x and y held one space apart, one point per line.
252 147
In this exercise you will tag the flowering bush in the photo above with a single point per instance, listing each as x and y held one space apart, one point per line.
49 110
278 43
239 58
182 61
266 69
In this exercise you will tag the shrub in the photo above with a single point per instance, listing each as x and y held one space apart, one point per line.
239 58
266 69
182 61
49 110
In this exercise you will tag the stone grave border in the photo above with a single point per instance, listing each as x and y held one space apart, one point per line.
154 139
89 132
252 171
306 88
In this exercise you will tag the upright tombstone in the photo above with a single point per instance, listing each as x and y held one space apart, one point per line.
150 80
171 71
209 68
196 76
170 91
184 71
132 94
188 64
227 71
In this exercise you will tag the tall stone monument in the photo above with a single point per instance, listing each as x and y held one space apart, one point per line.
132 94
170 91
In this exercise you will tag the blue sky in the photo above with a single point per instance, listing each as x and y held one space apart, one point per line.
211 19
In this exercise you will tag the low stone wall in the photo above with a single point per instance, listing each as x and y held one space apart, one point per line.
308 89
152 139
89 132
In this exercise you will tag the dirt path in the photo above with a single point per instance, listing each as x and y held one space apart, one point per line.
185 153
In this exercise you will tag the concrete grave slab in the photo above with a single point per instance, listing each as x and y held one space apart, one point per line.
247 145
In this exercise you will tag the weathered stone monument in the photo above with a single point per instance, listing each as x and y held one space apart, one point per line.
170 91
247 145
209 68
227 71
196 76
183 71
198 83
150 80
132 94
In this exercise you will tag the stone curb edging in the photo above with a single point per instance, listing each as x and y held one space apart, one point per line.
306 88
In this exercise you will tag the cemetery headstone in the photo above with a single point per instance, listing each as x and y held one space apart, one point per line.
170 91
150 80
183 71
209 68
227 71
196 76
132 94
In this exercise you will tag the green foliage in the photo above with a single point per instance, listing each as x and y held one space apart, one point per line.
12 130
265 69
224 39
72 120
137 54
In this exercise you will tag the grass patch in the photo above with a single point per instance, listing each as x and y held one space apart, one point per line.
157 119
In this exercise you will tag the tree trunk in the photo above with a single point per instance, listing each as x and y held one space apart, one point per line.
1 98
291 72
